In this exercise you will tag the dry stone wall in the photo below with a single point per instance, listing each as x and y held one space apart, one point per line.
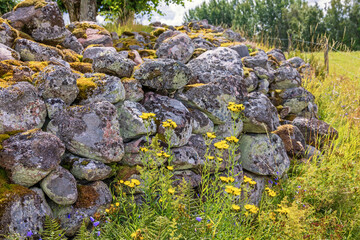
71 99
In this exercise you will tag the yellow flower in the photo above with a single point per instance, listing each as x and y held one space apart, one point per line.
231 179
170 168
127 183
166 155
144 149
211 157
224 179
272 216
235 207
146 116
121 181
163 154
219 159
252 182
221 145
117 204
270 192
133 235
107 210
236 191
282 209
131 185
135 181
210 135
235 107
228 189
159 154
232 139
251 208
249 180
171 190
232 190
169 124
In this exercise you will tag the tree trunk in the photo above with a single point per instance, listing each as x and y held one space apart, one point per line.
127 16
88 10
73 8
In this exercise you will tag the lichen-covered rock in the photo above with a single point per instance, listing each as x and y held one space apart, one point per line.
57 82
12 71
194 179
263 154
258 60
263 86
133 155
216 65
131 125
21 210
179 47
133 89
166 108
91 131
260 114
251 81
229 128
41 20
89 33
186 158
91 53
213 98
114 64
263 73
316 132
21 108
296 62
96 87
276 55
33 51
201 123
7 34
202 43
46 206
163 74
92 198
232 36
296 98
60 186
165 35
54 106
256 192
90 170
7 53
241 49
71 42
286 77
293 139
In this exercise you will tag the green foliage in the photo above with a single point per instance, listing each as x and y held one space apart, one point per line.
52 230
283 18
7 5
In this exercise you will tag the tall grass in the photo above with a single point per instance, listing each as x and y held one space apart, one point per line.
129 26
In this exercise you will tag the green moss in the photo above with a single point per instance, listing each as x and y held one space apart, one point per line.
3 137
147 53
130 41
85 163
28 3
125 172
158 31
80 29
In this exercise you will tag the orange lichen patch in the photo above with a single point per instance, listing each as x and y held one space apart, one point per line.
128 80
125 172
14 62
28 3
70 55
86 86
81 67
37 66
195 85
86 196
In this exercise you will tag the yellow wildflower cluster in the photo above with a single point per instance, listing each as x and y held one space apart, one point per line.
235 207
282 209
232 190
137 235
132 183
169 124
171 168
270 192
232 139
163 154
146 116
210 135
227 179
251 208
249 180
235 107
221 145
219 159
171 190
144 149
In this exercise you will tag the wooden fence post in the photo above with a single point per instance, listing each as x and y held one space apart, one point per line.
289 43
326 55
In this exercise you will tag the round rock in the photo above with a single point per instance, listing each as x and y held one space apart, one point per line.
90 170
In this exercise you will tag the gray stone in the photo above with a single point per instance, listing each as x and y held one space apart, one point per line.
113 64
71 42
263 73
259 60
131 125
28 157
46 206
216 65
90 53
33 51
241 49
91 131
202 43
286 77
296 98
178 47
163 74
57 82
232 36
260 114
90 170
21 108
7 34
263 86
277 54
54 106
186 158
7 53
60 186
189 176
165 35
251 81
201 123
296 62
255 193
229 128
133 89
263 154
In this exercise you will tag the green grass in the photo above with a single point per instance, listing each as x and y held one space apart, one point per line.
130 26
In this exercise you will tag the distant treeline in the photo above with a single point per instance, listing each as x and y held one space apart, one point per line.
339 21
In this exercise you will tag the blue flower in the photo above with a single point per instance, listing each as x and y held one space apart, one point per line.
98 233
299 186
271 182
29 233
96 224
92 219
198 219
69 215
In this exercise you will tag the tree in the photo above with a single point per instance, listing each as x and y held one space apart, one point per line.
7 6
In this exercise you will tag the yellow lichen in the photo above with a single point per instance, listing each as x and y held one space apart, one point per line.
147 53
158 31
195 85
37 66
81 67
128 80
80 29
28 3
254 53
86 86
230 44
70 55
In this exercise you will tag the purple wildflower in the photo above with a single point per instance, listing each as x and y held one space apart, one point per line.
198 219
29 233
98 233
92 219
69 215
96 224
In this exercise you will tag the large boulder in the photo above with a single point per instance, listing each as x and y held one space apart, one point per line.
163 74
28 157
241 49
90 170
7 53
201 122
7 33
33 51
216 65
42 20
179 47
260 114
57 82
166 108
71 42
131 125
186 158
263 154
113 64
91 53
60 186
21 108
257 59
316 132
286 77
90 131
92 198
297 99
95 87
133 89
89 33
165 35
